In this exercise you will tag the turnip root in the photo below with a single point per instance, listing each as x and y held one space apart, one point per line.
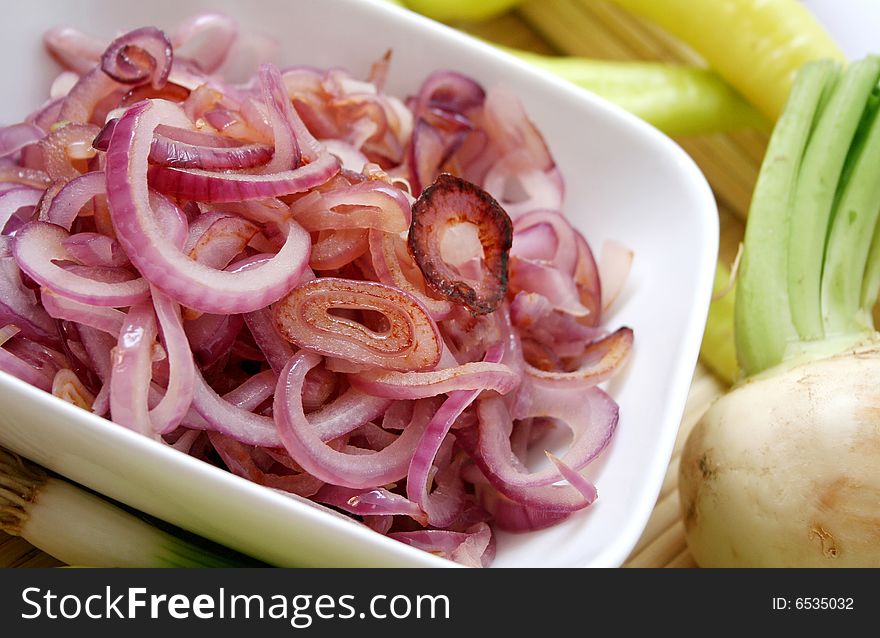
784 471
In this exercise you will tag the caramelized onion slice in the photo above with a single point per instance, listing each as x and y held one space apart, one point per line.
314 316
448 201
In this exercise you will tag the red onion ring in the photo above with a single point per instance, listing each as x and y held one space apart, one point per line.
139 56
474 548
451 200
75 194
171 409
411 340
38 244
217 33
132 370
187 282
601 360
419 385
15 137
177 154
359 471
101 318
386 251
371 204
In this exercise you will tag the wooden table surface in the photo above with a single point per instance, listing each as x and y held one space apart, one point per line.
730 162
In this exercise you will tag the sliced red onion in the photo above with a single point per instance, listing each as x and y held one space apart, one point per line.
15 199
32 177
275 348
205 39
411 340
590 415
15 137
207 186
95 249
601 360
555 285
212 336
440 507
473 548
177 154
524 191
349 156
67 386
38 245
187 282
507 474
589 284
80 103
546 235
451 92
429 150
319 386
331 466
557 334
386 251
65 144
511 516
418 385
239 459
169 412
78 192
19 306
254 392
337 248
101 318
450 200
511 130
132 370
372 204
222 241
538 242
139 56
73 49
14 365
282 118
615 262
377 501
348 412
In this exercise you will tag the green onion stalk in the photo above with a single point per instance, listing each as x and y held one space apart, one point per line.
81 528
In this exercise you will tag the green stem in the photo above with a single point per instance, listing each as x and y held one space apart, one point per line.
678 100
871 280
79 527
852 230
817 188
763 320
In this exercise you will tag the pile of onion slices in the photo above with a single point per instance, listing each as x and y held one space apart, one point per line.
372 304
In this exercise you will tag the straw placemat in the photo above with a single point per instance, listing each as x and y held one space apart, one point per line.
730 162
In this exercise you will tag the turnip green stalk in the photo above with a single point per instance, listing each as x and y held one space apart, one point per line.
783 471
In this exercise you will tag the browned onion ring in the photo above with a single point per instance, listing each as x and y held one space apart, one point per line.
411 340
451 200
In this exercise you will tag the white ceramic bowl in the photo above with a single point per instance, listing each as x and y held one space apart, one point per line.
624 181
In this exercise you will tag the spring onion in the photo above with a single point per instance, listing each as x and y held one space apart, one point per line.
97 533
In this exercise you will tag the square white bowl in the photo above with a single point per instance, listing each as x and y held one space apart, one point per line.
624 180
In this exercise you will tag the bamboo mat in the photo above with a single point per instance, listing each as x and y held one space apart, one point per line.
597 29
